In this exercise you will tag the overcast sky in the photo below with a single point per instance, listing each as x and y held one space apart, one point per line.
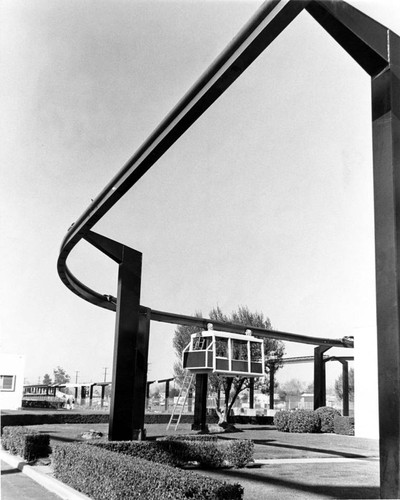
266 201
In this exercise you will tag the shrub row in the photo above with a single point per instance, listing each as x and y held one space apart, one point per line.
55 405
91 417
178 452
26 443
105 475
320 420
64 417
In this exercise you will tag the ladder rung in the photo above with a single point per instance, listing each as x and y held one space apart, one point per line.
179 407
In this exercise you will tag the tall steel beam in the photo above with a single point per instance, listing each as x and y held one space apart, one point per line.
251 393
272 370
345 386
386 147
200 403
130 343
180 319
319 376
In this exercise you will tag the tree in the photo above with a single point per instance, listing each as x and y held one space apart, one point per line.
339 386
47 379
60 376
292 387
230 386
173 392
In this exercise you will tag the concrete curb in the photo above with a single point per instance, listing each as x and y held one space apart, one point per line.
48 482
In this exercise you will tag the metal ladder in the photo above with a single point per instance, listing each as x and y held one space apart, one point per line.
199 343
180 402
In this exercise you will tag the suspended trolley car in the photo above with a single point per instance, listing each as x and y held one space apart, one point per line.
228 354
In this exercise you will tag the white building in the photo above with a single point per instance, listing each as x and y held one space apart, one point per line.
11 380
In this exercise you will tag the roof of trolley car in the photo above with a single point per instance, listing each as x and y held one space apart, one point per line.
244 337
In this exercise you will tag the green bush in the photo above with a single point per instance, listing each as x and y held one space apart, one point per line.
53 404
66 417
326 415
105 475
209 453
154 451
26 443
281 420
240 452
343 425
304 421
297 421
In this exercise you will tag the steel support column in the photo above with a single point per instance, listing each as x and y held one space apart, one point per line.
200 403
83 395
130 343
319 376
386 147
271 385
166 394
345 386
251 393
91 396
103 391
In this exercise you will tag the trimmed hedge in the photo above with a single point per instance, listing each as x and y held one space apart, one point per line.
326 415
55 405
281 420
26 443
343 425
304 421
105 475
9 418
61 417
179 452
324 419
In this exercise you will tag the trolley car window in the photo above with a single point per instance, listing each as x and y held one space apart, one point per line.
239 350
255 349
221 347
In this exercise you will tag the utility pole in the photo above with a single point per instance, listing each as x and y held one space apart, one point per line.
105 374
76 376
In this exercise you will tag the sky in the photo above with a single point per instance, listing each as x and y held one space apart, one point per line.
266 201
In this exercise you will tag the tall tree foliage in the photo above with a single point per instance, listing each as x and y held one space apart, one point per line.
231 387
46 379
339 386
61 376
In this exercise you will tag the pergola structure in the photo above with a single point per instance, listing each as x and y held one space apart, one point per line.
376 49
319 377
